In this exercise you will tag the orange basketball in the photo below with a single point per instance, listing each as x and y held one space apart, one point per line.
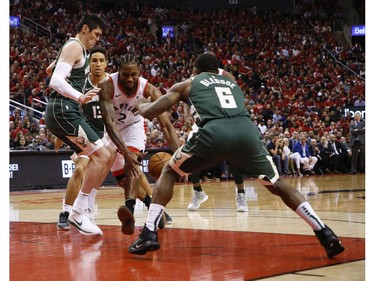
157 162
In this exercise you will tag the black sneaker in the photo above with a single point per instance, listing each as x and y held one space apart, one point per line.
147 241
168 218
127 219
329 241
63 224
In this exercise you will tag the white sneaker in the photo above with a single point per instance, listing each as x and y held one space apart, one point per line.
241 202
91 215
198 198
79 219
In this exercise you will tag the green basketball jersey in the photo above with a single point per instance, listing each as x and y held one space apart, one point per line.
92 111
213 96
77 76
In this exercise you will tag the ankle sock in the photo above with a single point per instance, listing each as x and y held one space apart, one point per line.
130 204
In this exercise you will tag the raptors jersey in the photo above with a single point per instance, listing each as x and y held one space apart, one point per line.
130 123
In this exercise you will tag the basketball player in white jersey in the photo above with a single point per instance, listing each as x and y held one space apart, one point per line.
118 95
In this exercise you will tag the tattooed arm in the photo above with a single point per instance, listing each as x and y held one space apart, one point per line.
177 92
165 124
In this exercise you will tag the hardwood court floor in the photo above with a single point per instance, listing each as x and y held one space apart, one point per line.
270 242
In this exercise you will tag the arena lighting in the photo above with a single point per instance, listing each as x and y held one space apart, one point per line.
14 21
358 30
168 30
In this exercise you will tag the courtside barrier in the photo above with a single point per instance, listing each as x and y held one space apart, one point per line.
50 169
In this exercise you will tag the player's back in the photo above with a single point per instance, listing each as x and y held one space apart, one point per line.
215 96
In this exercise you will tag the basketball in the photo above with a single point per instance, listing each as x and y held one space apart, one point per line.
157 162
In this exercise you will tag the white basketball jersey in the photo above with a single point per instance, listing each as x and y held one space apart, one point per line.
126 112
130 123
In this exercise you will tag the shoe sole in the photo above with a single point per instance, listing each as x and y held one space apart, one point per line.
72 223
335 249
63 228
127 220
146 247
203 200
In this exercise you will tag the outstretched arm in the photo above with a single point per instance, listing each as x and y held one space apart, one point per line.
177 92
166 126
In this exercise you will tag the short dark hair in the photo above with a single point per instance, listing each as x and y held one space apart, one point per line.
206 62
98 49
92 21
128 59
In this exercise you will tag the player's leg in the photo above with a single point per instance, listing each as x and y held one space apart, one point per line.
71 128
163 189
79 217
241 195
72 190
265 167
145 192
199 195
102 177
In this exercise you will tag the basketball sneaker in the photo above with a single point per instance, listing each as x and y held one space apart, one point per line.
168 218
127 220
199 197
329 241
79 219
63 224
241 202
91 214
147 241
162 221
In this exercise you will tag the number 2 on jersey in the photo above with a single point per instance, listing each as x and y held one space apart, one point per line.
225 97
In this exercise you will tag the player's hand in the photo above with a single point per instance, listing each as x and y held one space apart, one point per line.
57 143
88 96
189 121
141 103
132 163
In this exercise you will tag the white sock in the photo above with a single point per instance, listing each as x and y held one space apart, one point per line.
305 211
82 201
154 215
67 208
92 197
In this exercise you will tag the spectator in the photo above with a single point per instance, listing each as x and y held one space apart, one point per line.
346 155
357 144
21 144
37 144
324 153
302 147
273 148
294 159
360 102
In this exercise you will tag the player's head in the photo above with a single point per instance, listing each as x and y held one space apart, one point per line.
206 62
98 61
90 28
128 69
92 21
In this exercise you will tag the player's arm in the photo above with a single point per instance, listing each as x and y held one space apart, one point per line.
108 114
229 75
70 54
163 119
50 68
177 92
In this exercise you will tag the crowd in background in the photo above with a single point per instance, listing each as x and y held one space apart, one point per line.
295 75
